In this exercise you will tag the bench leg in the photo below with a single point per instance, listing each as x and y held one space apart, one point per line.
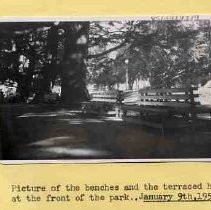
83 108
118 111
124 114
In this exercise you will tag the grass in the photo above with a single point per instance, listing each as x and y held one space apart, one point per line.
43 132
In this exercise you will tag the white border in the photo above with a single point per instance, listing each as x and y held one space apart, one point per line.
100 18
96 161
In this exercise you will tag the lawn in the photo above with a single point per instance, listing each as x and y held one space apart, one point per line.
34 132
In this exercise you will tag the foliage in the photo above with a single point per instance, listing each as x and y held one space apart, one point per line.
169 53
36 56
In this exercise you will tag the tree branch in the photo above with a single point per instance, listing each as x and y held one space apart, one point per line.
107 51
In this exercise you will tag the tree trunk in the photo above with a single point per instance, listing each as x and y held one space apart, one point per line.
73 87
50 71
29 76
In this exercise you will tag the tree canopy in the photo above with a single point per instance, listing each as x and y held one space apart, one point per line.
36 56
168 53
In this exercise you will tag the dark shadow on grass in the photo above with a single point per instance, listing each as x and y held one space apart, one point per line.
36 132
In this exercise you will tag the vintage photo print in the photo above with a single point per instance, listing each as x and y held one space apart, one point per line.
105 89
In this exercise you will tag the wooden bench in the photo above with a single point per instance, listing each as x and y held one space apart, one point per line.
155 106
102 102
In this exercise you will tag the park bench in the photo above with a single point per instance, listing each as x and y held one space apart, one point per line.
155 107
101 102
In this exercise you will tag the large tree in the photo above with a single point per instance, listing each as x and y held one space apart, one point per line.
168 53
36 55
73 75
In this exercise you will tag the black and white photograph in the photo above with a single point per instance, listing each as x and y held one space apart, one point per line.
105 89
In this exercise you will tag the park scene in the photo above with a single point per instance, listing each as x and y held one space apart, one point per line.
117 89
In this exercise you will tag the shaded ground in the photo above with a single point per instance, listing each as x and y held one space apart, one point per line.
40 132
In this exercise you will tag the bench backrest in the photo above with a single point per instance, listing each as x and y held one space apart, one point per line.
166 97
105 96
